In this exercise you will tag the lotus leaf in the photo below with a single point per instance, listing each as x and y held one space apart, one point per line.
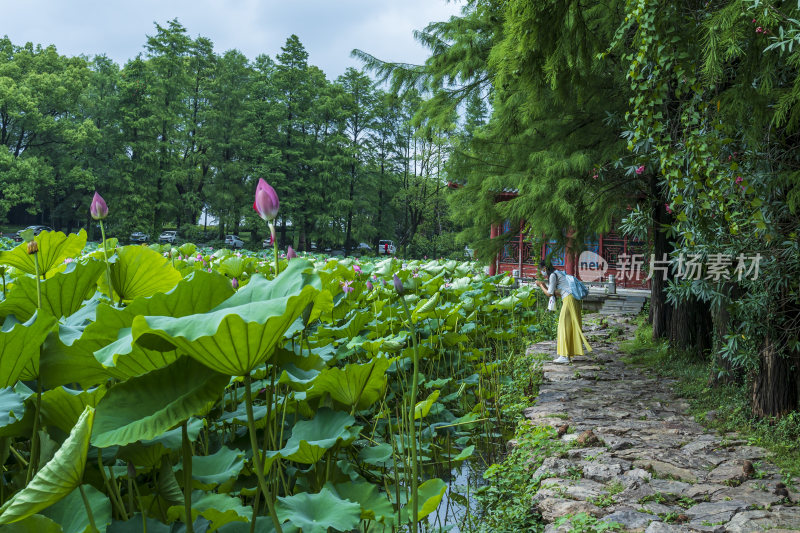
144 407
19 346
54 248
315 513
70 512
57 478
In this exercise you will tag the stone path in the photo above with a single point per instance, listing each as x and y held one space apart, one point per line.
639 459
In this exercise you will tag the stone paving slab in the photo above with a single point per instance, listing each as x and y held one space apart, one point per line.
647 464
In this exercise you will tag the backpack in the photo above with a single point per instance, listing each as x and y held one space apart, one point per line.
576 286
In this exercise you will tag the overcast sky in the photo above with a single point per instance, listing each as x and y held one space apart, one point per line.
329 29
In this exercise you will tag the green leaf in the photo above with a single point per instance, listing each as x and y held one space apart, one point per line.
422 408
62 294
12 410
217 468
374 504
361 384
70 512
62 407
380 455
220 509
33 524
139 272
19 347
54 248
57 478
311 438
144 407
241 333
315 513
135 525
430 496
466 453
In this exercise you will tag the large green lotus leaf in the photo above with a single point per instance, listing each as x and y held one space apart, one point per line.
57 478
219 509
348 330
70 512
374 505
217 468
68 357
359 385
263 525
242 332
167 487
315 513
148 452
62 294
33 524
236 267
312 438
144 407
19 346
54 248
139 272
61 407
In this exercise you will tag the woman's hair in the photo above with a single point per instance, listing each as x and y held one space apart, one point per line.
548 269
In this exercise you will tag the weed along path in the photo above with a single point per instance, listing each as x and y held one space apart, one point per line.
630 454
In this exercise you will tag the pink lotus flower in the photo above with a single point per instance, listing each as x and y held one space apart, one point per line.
235 283
98 208
369 285
640 169
739 179
266 203
290 253
357 269
346 286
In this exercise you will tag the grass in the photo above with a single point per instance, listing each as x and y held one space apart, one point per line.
730 403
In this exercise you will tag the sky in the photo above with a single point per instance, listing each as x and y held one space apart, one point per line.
329 29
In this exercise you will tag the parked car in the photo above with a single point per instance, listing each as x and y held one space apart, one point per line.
36 231
363 248
266 243
233 241
168 236
138 236
469 252
386 248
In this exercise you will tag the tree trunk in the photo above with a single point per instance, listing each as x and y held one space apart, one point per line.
690 327
723 372
660 309
774 390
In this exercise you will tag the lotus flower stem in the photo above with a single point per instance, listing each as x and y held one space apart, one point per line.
274 247
88 507
186 447
413 427
108 267
251 429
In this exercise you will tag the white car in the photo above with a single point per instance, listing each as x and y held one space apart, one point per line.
386 248
168 236
233 241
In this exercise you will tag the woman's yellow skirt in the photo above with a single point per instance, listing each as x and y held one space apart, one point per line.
570 325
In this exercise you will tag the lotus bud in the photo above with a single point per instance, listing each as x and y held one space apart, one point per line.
98 208
290 253
398 285
266 203
235 284
369 285
357 269
33 247
131 471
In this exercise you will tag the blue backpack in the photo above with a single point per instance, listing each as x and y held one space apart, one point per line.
576 286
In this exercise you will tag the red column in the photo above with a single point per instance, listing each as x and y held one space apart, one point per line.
569 255
494 232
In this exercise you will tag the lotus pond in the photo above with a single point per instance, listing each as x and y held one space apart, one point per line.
194 390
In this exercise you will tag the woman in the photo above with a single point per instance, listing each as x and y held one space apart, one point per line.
570 324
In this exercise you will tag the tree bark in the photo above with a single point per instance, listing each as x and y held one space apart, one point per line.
660 309
774 391
690 327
